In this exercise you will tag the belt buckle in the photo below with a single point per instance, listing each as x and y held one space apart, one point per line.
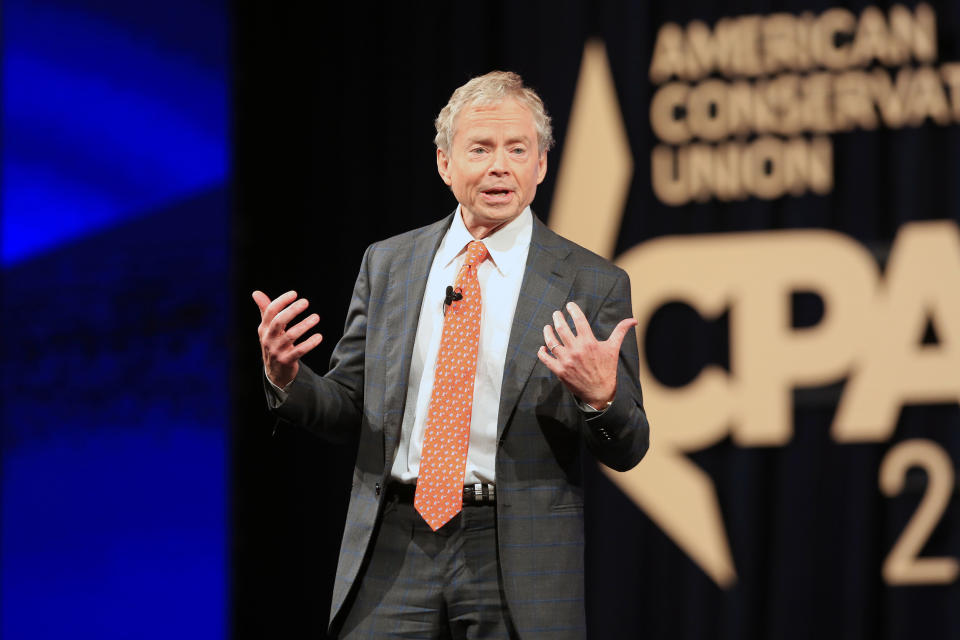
480 493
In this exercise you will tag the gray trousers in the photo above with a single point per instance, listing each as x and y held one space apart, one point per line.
421 583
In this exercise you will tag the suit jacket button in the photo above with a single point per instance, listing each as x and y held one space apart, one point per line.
377 488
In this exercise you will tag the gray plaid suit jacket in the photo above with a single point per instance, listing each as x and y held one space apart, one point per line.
540 427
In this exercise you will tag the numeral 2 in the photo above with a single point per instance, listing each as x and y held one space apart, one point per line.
903 566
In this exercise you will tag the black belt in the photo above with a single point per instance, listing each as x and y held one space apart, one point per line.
479 493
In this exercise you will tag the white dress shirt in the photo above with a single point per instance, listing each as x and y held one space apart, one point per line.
500 276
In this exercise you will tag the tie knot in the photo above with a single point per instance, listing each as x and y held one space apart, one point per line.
476 253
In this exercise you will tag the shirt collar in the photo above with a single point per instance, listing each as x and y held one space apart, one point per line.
506 246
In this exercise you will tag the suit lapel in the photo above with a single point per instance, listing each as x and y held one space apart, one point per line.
547 281
409 271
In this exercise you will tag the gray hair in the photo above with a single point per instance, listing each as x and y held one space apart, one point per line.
489 89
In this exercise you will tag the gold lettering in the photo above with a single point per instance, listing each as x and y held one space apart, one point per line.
853 106
668 113
922 281
668 54
871 42
768 358
709 50
808 165
820 178
766 168
815 108
951 75
890 98
745 50
762 168
927 99
740 107
753 274
751 45
904 566
727 183
707 110
805 43
764 119
913 34
668 175
700 180
780 43
714 172
783 96
832 30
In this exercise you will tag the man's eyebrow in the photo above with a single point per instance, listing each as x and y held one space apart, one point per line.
480 137
485 139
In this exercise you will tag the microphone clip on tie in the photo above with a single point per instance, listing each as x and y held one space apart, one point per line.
453 295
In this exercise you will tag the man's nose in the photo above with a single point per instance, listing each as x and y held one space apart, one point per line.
499 165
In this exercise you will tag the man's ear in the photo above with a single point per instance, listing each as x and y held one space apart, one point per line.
542 167
443 166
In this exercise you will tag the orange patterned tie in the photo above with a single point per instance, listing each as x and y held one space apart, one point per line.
439 495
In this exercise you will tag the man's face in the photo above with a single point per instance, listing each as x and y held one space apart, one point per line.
494 164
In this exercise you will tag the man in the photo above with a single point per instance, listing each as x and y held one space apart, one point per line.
472 395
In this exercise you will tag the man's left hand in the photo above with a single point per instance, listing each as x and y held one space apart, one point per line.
587 366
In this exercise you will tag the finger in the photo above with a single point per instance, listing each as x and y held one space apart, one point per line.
549 361
262 301
306 346
286 316
302 327
620 331
550 339
277 305
579 320
563 329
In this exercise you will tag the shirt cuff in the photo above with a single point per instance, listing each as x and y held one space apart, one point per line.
279 394
590 411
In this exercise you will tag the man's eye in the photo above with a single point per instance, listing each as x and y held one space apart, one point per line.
478 150
518 151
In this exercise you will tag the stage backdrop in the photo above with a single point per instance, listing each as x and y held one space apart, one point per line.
782 184
115 252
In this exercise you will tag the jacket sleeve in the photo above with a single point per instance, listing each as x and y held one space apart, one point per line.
620 436
331 405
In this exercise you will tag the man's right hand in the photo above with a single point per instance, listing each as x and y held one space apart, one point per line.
281 357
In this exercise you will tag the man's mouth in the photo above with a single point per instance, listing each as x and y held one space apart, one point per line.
497 195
